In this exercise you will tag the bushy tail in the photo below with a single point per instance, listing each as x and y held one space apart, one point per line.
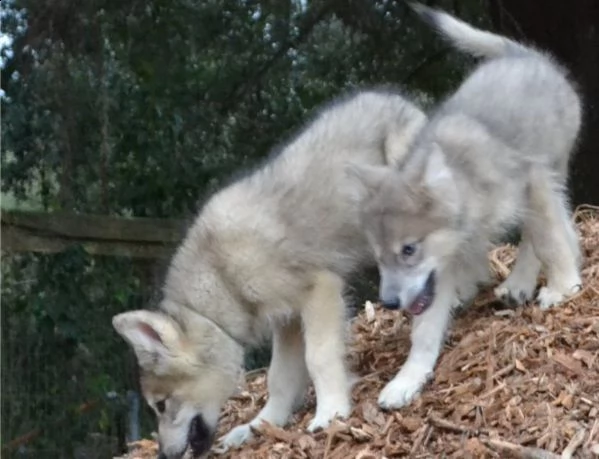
467 38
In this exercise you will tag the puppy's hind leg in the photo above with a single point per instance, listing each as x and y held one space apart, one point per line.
520 285
287 381
554 240
324 328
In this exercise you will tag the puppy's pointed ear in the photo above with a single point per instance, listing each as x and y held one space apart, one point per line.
439 181
437 174
153 336
368 177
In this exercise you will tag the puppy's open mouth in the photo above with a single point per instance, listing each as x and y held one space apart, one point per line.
200 438
425 297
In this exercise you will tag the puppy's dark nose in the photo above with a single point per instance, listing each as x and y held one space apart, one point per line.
161 455
390 304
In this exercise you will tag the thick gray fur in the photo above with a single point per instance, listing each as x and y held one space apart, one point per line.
269 255
494 155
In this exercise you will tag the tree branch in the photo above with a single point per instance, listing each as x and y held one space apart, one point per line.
310 20
428 60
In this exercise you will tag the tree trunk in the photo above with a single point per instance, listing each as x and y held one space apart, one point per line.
570 31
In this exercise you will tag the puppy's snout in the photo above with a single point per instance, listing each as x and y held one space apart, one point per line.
389 289
161 455
200 436
392 303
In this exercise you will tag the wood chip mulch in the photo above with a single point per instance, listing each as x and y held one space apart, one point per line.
510 383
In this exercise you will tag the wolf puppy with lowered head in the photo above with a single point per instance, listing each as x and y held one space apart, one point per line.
268 255
494 156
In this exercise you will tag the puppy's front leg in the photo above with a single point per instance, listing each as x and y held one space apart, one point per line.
324 319
287 381
428 335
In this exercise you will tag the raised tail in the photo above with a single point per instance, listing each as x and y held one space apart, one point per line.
467 38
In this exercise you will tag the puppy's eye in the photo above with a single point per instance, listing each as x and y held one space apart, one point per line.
408 250
161 406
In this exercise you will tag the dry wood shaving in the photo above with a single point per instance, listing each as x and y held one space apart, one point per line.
510 383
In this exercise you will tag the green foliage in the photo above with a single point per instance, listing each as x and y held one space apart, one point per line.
144 108
56 353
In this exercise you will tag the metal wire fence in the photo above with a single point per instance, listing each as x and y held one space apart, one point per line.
68 382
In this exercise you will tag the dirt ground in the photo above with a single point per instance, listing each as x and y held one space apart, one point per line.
510 383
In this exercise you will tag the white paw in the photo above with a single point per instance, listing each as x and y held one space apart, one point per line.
236 437
401 390
325 414
514 291
548 297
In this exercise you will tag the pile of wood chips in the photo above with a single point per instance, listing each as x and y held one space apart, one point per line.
510 383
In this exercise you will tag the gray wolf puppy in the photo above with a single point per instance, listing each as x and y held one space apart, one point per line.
494 156
268 255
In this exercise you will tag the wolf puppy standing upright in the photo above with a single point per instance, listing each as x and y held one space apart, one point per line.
268 254
494 155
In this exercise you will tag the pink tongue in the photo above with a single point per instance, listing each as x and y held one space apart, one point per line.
417 307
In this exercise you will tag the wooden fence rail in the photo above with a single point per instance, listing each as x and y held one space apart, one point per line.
98 235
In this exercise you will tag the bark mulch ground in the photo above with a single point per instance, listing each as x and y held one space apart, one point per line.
510 383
